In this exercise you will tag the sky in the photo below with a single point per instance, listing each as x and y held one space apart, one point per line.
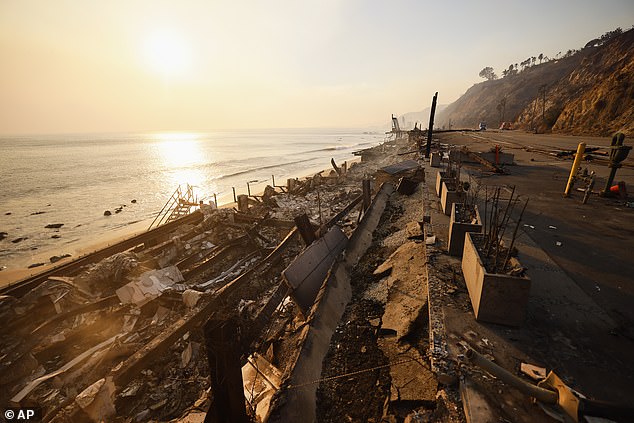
71 66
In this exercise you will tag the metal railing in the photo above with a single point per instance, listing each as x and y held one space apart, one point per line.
178 205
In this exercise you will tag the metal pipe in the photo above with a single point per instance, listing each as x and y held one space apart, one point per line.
540 394
575 167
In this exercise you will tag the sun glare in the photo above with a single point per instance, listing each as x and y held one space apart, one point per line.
181 153
168 53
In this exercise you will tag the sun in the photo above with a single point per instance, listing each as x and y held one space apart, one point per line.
167 53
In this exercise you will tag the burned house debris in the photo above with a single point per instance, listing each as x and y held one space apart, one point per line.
351 295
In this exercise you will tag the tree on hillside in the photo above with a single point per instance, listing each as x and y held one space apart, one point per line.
611 34
488 73
533 60
540 57
512 70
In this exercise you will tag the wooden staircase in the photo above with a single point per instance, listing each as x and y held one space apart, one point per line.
179 204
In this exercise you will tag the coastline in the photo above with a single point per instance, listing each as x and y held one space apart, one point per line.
19 270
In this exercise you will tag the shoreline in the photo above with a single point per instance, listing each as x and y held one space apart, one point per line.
11 275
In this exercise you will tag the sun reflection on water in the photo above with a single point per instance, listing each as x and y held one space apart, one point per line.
182 156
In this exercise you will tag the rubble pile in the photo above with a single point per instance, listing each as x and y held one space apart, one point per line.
122 336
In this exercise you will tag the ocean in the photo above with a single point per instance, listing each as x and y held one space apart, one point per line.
74 179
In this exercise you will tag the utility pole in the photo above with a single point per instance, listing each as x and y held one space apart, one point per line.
430 130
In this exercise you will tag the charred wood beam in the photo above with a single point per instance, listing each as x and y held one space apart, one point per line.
219 255
188 262
222 338
367 194
98 305
73 267
131 367
306 229
336 218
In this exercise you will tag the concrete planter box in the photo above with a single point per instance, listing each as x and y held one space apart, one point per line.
434 159
495 298
448 196
440 178
457 230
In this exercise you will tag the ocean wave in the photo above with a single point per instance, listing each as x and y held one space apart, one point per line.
255 169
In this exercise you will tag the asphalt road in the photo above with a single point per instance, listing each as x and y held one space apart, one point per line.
596 239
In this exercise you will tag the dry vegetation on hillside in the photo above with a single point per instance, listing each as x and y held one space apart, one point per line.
590 91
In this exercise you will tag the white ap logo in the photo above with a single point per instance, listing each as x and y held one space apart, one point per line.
19 414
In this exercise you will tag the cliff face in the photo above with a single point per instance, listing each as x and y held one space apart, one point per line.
588 93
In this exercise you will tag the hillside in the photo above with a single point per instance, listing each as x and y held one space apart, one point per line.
590 92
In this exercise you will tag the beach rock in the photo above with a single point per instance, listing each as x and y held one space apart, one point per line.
3 235
133 201
7 213
37 212
56 236
31 266
107 213
117 210
15 241
54 225
55 259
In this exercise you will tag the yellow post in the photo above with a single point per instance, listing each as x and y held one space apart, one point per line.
575 167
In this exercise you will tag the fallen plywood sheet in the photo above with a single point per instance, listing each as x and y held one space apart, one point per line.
397 168
307 272
150 285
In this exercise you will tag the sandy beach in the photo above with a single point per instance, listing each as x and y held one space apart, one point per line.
18 269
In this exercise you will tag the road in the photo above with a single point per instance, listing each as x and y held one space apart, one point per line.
597 239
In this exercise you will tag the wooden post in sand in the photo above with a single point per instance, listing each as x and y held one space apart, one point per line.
430 130
243 203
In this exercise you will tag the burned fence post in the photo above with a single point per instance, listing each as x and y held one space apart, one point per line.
367 194
243 203
306 229
235 200
290 184
223 352
430 130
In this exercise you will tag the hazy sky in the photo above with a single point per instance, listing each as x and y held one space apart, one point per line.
98 66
